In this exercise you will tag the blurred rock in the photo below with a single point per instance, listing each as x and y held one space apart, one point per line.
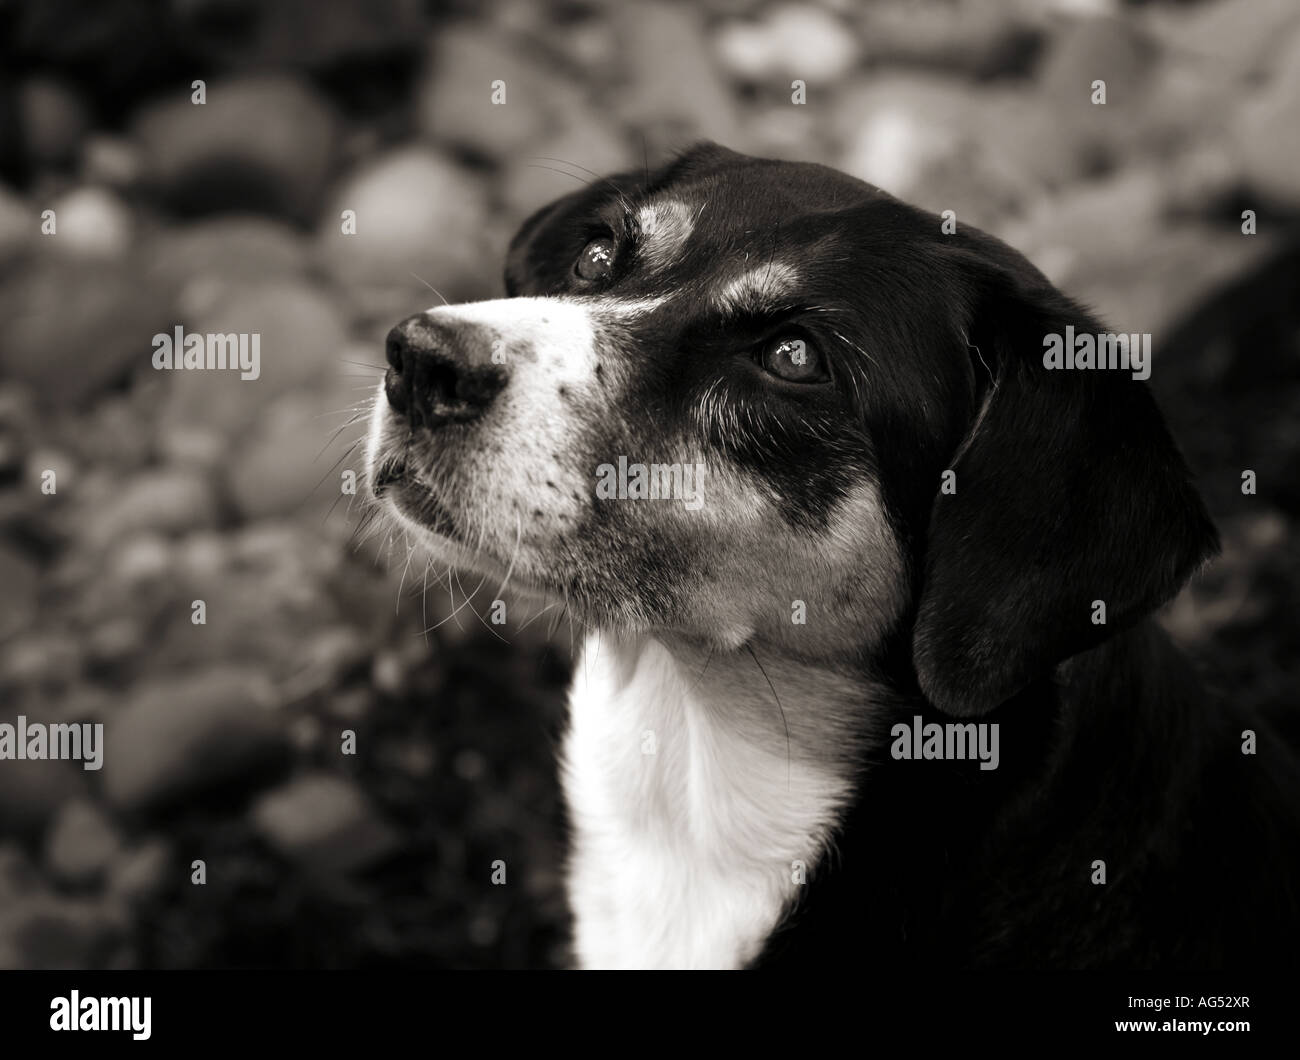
350 705
277 33
54 122
286 464
17 426
330 658
19 225
1268 131
585 150
165 501
37 660
231 247
301 334
260 607
1165 266
388 674
419 221
18 876
789 41
20 577
92 223
32 791
114 646
261 142
1069 234
143 557
111 161
82 843
1240 38
139 873
197 446
1113 50
1148 287
65 468
1223 595
48 933
971 37
674 91
180 736
324 823
73 329
455 102
119 431
935 143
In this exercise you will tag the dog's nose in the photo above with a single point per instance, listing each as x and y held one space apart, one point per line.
434 377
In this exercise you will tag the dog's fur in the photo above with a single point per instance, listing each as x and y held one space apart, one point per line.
732 795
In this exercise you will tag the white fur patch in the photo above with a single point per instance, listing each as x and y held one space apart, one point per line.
665 228
546 344
758 287
690 819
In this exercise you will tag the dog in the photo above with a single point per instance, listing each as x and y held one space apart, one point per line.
892 689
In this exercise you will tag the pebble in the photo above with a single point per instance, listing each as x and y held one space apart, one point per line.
54 121
81 845
48 336
92 223
20 577
791 41
455 103
163 500
1268 131
263 142
674 92
419 224
176 737
44 932
324 823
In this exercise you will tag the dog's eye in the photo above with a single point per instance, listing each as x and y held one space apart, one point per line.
793 360
596 261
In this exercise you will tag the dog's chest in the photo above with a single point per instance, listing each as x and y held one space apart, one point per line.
693 825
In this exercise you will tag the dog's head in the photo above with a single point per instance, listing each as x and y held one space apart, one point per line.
722 398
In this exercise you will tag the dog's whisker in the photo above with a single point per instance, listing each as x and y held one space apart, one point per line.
455 609
785 723
334 467
333 435
432 288
533 618
519 533
622 198
410 550
482 621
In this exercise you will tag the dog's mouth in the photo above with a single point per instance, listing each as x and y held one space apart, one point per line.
393 480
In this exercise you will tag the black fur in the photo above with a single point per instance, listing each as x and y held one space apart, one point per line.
1069 491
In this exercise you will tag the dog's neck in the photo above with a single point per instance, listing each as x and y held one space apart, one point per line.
702 788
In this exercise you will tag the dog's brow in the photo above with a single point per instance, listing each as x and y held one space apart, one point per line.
664 227
757 288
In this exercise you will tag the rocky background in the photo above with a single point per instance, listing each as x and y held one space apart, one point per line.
224 739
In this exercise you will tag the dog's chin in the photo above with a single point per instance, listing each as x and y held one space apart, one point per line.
434 527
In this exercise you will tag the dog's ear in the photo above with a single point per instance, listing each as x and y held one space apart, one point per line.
1073 514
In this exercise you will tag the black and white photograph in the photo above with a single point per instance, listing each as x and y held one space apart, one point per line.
577 486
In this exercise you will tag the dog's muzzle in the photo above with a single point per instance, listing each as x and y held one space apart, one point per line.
440 372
